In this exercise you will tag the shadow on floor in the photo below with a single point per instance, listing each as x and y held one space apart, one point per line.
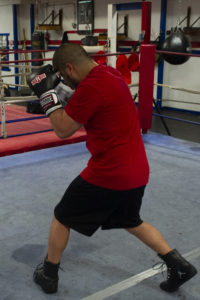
178 129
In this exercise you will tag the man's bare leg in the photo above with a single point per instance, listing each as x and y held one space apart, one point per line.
47 275
58 238
149 235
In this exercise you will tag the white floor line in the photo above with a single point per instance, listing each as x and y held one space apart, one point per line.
134 280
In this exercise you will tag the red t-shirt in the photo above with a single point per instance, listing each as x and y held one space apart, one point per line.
103 103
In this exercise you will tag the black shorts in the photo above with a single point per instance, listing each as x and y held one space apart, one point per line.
85 207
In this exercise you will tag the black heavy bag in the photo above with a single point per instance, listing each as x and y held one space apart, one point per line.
37 44
176 42
65 38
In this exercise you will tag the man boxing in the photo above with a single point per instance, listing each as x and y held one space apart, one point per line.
108 192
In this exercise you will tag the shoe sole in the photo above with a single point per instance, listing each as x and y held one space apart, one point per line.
46 290
181 283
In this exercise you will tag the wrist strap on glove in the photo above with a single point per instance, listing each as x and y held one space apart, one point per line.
50 102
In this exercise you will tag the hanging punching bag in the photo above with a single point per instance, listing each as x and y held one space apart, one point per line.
37 44
176 42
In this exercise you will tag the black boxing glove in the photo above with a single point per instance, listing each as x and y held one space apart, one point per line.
43 79
42 83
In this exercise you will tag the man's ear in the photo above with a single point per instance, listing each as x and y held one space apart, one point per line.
69 68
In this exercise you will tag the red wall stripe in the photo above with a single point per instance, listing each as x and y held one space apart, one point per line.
95 31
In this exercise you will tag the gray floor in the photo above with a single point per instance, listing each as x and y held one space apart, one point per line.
32 183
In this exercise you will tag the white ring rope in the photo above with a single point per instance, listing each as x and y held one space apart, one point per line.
170 87
133 85
177 88
27 98
14 84
180 101
19 66
9 100
18 99
15 75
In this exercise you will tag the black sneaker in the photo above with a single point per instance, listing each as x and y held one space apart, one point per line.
48 284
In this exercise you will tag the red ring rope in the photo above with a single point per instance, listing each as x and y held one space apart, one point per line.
177 53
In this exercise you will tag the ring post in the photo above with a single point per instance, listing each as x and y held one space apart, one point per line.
112 33
146 21
3 121
3 113
146 85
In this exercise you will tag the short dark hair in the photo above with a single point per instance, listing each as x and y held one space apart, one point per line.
69 53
